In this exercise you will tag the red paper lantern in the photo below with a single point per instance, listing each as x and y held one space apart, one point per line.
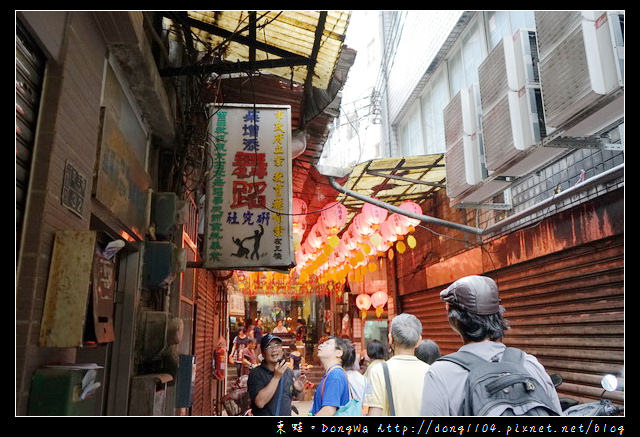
378 300
363 302
334 216
373 214
361 226
414 208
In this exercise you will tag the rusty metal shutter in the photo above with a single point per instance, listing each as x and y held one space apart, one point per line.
204 344
566 308
210 324
30 64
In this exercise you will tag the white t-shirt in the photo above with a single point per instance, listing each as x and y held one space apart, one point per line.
357 384
406 374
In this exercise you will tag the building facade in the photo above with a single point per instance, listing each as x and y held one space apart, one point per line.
551 211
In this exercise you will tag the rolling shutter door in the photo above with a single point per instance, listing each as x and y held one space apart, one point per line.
566 308
29 75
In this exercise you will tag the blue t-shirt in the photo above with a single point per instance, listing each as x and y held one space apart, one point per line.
336 391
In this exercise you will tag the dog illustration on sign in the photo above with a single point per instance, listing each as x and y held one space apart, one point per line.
243 252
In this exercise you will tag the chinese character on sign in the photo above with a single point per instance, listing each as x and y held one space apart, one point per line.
248 194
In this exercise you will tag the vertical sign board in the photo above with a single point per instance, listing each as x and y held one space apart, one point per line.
248 198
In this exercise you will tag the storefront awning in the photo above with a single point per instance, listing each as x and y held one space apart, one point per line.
290 44
394 180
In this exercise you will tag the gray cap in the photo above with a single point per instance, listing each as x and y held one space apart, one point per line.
476 294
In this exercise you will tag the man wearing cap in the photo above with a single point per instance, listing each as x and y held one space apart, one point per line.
475 313
271 385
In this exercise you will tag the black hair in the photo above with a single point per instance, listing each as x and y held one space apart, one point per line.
348 352
428 351
475 327
376 350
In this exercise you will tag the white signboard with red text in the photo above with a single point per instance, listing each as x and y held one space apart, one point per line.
248 195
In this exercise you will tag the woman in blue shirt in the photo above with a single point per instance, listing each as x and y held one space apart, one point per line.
333 390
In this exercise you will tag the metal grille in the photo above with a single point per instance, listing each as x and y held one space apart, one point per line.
553 26
492 78
452 114
456 173
566 308
29 76
566 85
497 135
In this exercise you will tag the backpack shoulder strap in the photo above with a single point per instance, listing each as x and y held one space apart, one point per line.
464 359
387 380
513 355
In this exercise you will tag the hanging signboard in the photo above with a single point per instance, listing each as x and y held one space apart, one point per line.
248 196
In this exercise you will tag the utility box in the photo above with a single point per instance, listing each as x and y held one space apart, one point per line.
162 262
163 212
185 381
62 391
148 394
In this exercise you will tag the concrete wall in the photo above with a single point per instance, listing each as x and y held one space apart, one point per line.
67 131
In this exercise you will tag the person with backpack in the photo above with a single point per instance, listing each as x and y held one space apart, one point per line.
484 377
332 391
396 384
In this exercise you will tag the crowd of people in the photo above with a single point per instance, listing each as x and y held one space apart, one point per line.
409 377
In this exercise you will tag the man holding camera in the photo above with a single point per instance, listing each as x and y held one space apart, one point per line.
271 385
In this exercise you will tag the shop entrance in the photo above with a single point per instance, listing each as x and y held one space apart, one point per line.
376 330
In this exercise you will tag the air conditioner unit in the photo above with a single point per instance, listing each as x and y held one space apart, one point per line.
581 69
463 156
512 116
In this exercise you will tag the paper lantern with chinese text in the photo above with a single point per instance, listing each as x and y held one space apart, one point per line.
378 300
316 238
363 302
387 231
373 214
414 208
399 225
361 226
334 216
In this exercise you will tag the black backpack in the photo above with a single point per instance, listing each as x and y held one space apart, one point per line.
501 388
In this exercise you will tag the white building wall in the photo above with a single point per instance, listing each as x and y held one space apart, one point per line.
423 33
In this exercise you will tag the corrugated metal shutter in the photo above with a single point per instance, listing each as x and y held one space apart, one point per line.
204 344
210 324
30 64
566 308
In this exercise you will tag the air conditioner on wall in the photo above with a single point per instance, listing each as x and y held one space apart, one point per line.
513 123
581 69
462 157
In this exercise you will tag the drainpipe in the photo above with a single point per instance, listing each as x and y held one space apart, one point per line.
600 178
421 217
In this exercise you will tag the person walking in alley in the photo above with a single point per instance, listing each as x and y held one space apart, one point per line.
271 385
249 357
475 313
237 350
396 384
333 390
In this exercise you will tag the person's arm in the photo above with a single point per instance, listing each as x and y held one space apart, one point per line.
299 386
265 395
327 410
374 411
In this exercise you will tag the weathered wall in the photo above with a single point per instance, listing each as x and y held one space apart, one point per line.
67 131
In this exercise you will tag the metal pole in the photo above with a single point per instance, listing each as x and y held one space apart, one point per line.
421 217
605 176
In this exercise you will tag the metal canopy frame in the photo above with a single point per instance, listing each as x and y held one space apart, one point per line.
287 58
383 187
